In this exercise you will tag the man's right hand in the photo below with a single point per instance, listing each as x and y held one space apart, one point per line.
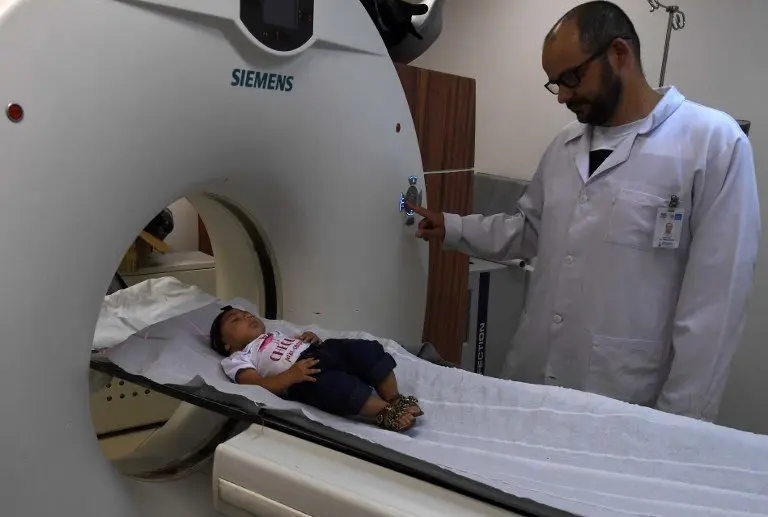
432 227
304 370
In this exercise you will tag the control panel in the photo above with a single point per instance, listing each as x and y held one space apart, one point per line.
413 196
281 25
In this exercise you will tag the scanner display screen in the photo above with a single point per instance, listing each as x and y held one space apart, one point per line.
281 13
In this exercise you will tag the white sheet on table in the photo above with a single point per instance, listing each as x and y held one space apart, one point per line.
574 451
134 308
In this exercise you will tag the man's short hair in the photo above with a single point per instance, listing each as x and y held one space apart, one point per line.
217 342
599 22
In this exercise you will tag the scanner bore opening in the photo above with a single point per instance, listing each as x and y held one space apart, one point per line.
164 438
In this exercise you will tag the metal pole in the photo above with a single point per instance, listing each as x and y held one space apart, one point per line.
676 21
671 12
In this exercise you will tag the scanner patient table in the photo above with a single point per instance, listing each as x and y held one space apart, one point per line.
573 451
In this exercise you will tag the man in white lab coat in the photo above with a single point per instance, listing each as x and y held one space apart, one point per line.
644 220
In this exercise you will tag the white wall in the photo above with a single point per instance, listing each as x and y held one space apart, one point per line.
718 59
184 234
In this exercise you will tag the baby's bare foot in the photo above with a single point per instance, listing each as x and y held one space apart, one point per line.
409 405
406 420
414 411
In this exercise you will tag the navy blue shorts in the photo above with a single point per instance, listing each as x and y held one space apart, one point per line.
350 368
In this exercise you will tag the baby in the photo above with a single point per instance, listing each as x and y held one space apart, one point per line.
346 377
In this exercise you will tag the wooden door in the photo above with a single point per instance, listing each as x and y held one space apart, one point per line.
443 110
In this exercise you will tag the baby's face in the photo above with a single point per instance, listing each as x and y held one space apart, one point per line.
239 328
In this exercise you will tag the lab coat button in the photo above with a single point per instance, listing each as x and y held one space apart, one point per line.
557 318
583 198
569 260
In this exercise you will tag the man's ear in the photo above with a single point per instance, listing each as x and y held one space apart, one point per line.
623 51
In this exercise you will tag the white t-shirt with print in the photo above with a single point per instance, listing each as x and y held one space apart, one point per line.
270 354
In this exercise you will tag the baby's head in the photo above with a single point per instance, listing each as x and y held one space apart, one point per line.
233 329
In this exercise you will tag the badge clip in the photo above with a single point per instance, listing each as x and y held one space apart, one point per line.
673 202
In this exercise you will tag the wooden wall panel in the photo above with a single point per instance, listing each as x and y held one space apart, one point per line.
445 319
443 110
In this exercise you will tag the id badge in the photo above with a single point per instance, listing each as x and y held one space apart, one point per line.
669 226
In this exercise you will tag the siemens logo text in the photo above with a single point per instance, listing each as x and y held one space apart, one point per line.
263 80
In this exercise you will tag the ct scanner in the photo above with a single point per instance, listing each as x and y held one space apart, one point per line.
284 123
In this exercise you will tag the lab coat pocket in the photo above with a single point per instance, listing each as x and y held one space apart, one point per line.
633 218
625 369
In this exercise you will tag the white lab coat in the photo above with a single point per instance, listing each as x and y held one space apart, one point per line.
650 326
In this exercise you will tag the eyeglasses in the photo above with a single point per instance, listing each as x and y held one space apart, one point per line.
572 77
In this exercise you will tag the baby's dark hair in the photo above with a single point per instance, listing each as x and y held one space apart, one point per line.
217 342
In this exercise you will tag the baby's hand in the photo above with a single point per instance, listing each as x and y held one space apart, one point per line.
304 371
309 337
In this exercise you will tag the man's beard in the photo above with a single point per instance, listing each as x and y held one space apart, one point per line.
602 108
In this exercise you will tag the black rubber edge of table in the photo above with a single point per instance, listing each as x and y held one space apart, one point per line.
300 427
